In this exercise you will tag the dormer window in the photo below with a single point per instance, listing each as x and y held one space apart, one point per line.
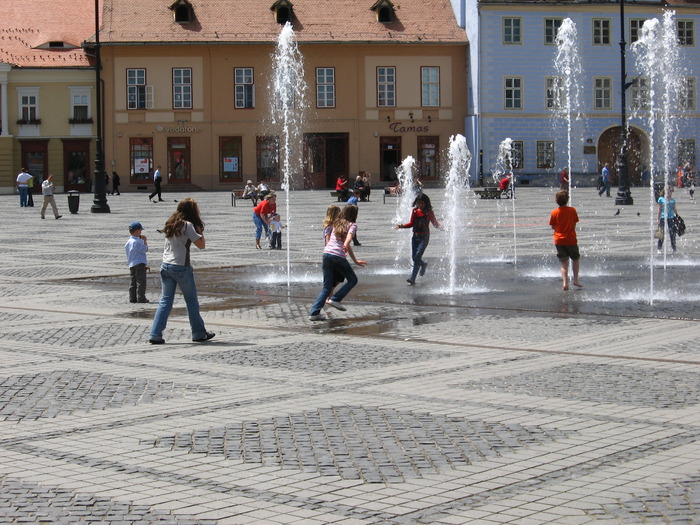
283 11
182 11
384 10
56 44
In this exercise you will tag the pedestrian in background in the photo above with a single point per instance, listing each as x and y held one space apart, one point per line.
605 181
48 189
23 187
157 180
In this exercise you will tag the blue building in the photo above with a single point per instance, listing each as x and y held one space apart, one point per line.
513 88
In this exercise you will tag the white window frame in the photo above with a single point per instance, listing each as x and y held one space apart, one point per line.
80 96
182 88
640 93
386 86
513 93
517 154
430 86
688 94
28 97
136 92
545 151
512 30
602 31
686 148
635 28
325 87
602 93
550 33
244 87
686 32
554 92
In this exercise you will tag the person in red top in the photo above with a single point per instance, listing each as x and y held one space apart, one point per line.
563 221
341 186
504 183
262 213
421 217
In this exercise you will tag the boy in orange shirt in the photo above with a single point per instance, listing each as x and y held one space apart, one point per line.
563 221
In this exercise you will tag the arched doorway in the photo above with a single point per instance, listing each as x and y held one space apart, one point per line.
609 146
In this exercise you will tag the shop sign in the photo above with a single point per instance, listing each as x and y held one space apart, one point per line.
399 127
181 128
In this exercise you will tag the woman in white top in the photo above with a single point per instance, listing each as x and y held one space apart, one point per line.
182 229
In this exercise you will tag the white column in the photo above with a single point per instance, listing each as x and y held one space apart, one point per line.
3 108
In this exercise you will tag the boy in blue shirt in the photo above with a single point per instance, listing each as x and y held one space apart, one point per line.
136 248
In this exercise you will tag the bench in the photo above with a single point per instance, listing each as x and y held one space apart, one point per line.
235 195
489 192
337 195
389 191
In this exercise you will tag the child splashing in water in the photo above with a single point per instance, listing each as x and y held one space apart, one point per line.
421 217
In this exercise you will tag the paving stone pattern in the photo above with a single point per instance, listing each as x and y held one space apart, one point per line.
601 383
503 401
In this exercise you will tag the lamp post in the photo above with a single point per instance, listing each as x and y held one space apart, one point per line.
100 201
624 196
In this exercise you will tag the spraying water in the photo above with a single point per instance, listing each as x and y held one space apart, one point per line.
660 90
564 96
287 108
504 167
404 202
456 190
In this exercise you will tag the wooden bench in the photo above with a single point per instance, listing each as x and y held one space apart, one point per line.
489 192
337 195
389 191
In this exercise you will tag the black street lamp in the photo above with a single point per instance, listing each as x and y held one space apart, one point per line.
624 196
100 201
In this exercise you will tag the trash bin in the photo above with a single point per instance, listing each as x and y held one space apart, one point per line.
73 201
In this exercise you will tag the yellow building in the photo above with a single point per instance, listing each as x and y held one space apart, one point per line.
186 88
46 93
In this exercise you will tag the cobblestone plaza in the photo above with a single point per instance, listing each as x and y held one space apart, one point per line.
505 400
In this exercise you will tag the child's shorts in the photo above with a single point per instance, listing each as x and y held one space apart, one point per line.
568 252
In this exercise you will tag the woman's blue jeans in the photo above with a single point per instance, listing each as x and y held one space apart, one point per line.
418 245
172 276
671 232
259 225
331 265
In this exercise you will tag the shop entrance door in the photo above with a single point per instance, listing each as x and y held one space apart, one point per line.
35 158
390 151
179 160
325 159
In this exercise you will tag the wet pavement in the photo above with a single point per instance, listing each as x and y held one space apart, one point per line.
491 397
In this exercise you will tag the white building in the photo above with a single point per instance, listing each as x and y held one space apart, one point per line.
511 95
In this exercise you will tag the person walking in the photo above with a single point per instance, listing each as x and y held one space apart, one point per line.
48 189
421 217
182 229
605 180
563 221
335 264
564 179
157 180
115 183
666 217
23 187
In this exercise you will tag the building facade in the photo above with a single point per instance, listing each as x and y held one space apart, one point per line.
46 94
513 93
187 89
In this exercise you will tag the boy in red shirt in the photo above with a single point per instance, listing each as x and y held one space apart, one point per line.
563 221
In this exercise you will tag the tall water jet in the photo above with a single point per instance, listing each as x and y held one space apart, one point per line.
456 191
407 194
563 95
504 167
660 87
288 102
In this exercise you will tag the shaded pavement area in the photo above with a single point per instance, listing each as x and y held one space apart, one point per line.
481 395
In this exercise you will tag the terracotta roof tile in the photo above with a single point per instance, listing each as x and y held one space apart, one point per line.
27 24
430 21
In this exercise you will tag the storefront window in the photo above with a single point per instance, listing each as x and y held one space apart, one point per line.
230 153
141 153
428 153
